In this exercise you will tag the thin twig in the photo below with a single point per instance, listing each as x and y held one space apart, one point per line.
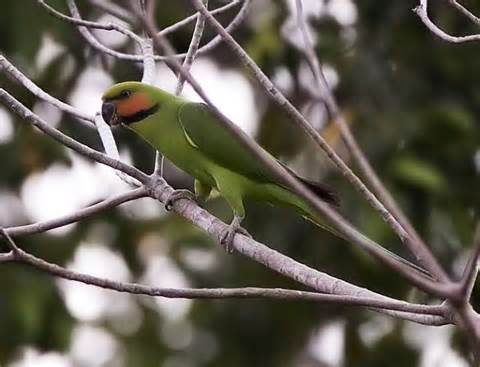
192 50
7 257
471 269
22 111
465 11
187 63
92 40
421 11
416 246
41 227
433 311
109 26
10 69
113 9
175 27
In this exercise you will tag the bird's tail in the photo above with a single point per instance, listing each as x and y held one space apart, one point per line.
330 197
313 217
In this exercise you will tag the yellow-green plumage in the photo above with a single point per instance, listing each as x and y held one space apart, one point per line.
193 138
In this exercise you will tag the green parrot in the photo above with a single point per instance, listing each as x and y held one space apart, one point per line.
193 138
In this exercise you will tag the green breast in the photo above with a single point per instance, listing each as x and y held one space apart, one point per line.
163 132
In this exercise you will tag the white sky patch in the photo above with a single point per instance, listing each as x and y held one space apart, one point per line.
11 209
374 329
310 7
307 80
142 209
31 357
47 112
343 11
93 346
228 89
282 78
162 272
60 189
327 345
434 345
177 335
89 303
290 30
199 259
49 50
112 39
178 361
87 93
6 126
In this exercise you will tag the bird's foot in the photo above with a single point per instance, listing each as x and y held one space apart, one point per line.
227 237
177 195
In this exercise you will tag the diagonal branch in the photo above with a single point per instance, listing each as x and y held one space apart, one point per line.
429 314
113 9
110 26
174 27
22 111
269 257
78 215
471 269
465 11
93 41
10 69
192 50
422 11
433 312
416 246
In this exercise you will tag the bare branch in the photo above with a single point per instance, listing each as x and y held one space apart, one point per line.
434 312
174 27
78 215
429 314
471 269
187 63
7 257
272 259
113 9
92 40
421 11
18 108
8 68
192 50
465 11
417 247
110 26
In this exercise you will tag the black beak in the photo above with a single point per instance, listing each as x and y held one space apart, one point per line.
108 112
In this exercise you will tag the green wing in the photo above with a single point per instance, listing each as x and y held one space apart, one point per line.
204 131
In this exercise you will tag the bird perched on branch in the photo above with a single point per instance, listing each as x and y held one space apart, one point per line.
197 141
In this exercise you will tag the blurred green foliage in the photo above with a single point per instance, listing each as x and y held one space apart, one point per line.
412 101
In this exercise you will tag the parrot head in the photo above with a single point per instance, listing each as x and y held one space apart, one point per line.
127 103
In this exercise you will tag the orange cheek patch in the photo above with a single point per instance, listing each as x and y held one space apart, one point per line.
136 102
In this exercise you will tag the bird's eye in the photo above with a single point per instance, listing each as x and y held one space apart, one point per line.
125 93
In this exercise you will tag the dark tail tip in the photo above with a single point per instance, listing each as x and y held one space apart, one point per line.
322 191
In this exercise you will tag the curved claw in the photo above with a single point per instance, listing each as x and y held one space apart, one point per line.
227 238
177 195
